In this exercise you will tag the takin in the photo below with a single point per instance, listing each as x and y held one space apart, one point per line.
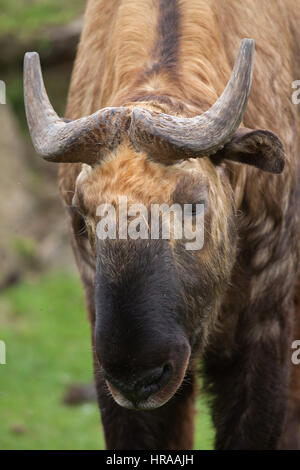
158 113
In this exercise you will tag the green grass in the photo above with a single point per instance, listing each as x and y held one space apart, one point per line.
24 18
48 347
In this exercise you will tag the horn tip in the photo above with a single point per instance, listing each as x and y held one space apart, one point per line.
31 57
248 42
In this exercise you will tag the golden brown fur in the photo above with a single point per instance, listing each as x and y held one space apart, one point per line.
116 51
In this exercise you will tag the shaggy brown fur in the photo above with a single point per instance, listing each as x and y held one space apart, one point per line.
176 57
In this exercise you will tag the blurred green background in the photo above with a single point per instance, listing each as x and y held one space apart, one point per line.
42 315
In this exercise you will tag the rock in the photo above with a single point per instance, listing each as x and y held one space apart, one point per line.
77 394
18 428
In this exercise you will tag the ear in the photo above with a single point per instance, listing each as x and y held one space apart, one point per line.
258 148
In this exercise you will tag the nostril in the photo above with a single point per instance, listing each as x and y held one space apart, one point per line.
153 380
148 383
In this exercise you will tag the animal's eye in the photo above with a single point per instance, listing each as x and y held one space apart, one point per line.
76 210
79 222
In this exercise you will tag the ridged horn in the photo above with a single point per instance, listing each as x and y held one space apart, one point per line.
169 138
58 140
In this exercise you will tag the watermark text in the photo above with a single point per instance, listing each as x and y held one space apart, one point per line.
136 221
296 353
2 92
2 353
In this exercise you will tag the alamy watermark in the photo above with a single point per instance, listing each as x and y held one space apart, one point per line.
296 94
2 353
296 353
135 221
2 92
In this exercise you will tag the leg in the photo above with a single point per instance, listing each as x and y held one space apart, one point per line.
168 427
291 435
249 392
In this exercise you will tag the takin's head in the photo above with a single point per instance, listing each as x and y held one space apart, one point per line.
156 297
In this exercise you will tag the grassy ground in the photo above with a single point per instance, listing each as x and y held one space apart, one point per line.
48 347
23 18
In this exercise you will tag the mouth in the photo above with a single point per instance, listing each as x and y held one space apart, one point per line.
146 396
150 404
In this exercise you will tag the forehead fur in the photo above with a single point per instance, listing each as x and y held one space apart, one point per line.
126 172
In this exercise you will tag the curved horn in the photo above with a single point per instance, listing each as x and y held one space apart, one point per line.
169 138
56 140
